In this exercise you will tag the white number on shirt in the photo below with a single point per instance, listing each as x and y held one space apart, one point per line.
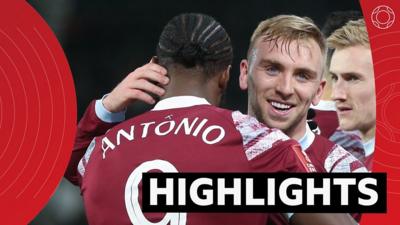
132 195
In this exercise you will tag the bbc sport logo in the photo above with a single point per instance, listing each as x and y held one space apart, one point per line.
383 17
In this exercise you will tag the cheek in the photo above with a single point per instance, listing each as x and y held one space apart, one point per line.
262 83
365 100
368 102
254 90
306 93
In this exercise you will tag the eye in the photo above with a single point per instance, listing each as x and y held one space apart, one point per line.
302 76
272 70
334 78
351 78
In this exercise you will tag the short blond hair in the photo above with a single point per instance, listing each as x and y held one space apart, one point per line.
288 28
352 34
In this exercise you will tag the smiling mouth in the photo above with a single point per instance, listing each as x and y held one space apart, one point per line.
281 107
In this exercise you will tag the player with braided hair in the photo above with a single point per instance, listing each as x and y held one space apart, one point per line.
184 132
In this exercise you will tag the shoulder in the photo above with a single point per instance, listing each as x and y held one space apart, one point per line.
340 160
333 157
257 138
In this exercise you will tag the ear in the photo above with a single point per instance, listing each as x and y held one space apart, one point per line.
244 73
224 78
320 92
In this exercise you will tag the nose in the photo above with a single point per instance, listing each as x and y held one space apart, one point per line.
338 91
284 87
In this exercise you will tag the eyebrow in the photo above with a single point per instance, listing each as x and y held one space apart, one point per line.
312 73
280 65
264 62
346 74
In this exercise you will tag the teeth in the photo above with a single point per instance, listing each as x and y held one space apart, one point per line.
280 105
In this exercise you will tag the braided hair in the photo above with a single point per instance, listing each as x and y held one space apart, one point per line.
195 41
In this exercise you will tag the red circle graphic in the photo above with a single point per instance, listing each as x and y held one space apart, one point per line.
382 17
37 112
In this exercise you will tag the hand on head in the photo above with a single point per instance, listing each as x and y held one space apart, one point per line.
140 84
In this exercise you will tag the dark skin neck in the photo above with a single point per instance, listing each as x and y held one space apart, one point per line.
192 82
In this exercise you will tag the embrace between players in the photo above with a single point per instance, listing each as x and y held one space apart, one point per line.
185 131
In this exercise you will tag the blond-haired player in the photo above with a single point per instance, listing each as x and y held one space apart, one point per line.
353 88
283 74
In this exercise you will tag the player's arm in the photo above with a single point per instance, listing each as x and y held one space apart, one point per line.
105 113
322 219
352 143
291 159
90 126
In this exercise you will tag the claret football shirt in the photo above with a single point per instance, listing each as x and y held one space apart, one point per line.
190 135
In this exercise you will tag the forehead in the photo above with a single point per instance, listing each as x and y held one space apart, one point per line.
304 53
355 59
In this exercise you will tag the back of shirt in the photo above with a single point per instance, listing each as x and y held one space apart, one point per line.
201 138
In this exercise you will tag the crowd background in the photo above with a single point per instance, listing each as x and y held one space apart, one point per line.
106 40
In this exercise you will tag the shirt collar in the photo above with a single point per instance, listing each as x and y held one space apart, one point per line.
308 138
369 146
179 102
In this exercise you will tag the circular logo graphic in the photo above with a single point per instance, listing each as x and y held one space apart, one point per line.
383 17
37 112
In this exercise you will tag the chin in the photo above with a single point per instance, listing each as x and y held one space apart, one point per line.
276 124
347 127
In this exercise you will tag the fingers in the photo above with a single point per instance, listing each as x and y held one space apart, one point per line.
140 84
148 87
141 95
148 74
155 67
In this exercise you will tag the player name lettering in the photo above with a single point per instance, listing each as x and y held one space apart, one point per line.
196 127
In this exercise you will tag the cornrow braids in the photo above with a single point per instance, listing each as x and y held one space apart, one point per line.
195 40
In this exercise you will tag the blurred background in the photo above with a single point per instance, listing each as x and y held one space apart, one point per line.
106 40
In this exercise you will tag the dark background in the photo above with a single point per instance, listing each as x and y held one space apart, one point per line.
106 40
